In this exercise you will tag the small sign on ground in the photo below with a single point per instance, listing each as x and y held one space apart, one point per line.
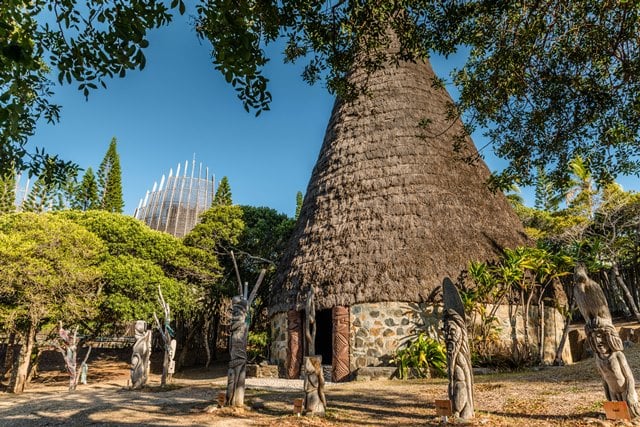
617 411
443 408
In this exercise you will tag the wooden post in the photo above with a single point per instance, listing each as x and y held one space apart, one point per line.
340 364
69 351
294 344
166 333
315 402
238 344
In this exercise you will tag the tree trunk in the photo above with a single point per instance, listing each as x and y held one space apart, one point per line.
9 355
214 339
33 371
563 340
630 301
513 312
541 335
21 364
205 341
185 348
618 300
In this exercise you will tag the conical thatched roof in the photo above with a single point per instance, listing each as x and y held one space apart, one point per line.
391 209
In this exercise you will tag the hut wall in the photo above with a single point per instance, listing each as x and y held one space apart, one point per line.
378 330
553 325
279 338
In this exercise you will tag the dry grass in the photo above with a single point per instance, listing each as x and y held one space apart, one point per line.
551 396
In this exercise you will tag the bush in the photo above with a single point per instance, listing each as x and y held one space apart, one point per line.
257 345
422 356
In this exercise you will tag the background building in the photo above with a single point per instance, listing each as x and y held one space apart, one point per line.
174 205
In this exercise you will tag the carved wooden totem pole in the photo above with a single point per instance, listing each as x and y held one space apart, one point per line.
294 344
69 351
617 378
341 332
168 364
238 352
314 400
141 355
238 339
458 354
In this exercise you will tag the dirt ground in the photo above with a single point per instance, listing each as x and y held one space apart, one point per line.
550 396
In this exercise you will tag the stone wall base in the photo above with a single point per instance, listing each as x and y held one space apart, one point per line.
262 371
378 330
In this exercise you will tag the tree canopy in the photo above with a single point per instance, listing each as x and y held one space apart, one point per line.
49 269
141 259
546 81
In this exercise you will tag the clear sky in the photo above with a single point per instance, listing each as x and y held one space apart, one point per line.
179 106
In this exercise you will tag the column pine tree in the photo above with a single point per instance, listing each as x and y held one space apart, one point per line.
110 181
86 195
7 193
223 193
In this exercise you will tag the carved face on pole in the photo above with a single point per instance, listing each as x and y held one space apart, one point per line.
140 328
453 332
604 340
600 343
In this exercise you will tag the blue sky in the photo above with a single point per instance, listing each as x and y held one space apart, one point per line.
179 106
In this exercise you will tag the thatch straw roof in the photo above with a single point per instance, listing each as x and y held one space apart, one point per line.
390 209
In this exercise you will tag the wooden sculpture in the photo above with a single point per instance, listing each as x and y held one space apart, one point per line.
459 370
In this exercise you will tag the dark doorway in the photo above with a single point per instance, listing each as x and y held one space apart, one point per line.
324 336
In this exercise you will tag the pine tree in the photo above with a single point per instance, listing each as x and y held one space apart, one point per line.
223 193
110 181
7 193
48 194
86 194
41 198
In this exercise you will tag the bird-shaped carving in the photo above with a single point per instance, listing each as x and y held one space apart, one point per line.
589 297
64 334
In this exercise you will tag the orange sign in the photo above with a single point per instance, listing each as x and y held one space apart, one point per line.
443 408
297 406
617 411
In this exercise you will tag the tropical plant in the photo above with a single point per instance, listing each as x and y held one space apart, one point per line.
257 345
422 357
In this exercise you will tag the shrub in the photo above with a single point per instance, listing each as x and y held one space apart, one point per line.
422 356
257 345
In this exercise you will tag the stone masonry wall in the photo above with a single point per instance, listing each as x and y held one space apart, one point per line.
279 339
553 325
378 329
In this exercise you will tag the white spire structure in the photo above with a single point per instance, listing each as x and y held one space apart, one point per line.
175 204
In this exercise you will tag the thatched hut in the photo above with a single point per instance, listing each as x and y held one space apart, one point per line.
390 210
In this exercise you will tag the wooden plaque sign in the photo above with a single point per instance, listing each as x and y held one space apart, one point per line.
297 406
443 408
617 411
